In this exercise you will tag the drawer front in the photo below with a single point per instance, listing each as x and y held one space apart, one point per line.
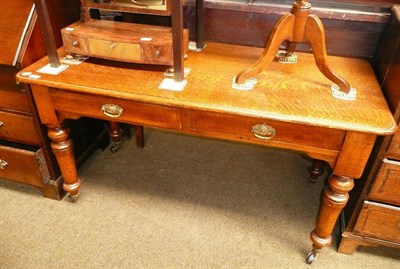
286 135
23 165
75 44
15 100
157 53
18 128
117 110
394 146
379 221
114 50
386 187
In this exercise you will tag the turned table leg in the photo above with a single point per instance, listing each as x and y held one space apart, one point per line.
334 199
115 134
316 169
62 147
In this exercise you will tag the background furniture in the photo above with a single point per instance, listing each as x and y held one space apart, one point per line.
373 215
353 28
25 154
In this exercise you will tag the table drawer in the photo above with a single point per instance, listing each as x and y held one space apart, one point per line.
386 187
107 108
379 221
286 135
18 128
24 164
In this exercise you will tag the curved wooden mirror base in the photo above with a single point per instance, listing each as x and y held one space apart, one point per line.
298 26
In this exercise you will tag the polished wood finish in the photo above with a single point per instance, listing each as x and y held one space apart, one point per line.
373 217
342 133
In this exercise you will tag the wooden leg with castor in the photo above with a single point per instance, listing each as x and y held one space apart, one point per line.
334 199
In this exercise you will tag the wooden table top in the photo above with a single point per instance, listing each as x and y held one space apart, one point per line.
287 92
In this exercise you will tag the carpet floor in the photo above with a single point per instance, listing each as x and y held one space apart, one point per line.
180 202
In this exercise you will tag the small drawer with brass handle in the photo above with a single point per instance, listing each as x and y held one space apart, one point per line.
116 108
111 110
74 43
265 131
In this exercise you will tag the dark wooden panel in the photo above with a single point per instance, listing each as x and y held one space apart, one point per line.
351 36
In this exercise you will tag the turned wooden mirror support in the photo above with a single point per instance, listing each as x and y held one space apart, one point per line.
298 26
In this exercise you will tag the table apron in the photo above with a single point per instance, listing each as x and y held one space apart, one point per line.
324 143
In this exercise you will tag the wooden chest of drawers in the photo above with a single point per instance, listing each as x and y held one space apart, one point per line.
374 218
25 153
127 42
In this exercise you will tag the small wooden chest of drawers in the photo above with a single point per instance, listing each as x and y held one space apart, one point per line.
25 152
373 217
120 41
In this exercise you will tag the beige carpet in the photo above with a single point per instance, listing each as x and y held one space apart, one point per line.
181 202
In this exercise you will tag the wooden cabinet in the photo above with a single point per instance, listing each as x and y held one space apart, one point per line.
25 151
119 41
374 217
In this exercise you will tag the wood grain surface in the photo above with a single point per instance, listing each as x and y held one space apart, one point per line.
292 93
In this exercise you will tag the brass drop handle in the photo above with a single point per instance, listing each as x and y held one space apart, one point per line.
75 43
263 131
1 123
3 164
111 110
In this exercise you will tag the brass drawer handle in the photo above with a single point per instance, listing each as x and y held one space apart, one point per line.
1 123
75 43
3 164
263 131
111 110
